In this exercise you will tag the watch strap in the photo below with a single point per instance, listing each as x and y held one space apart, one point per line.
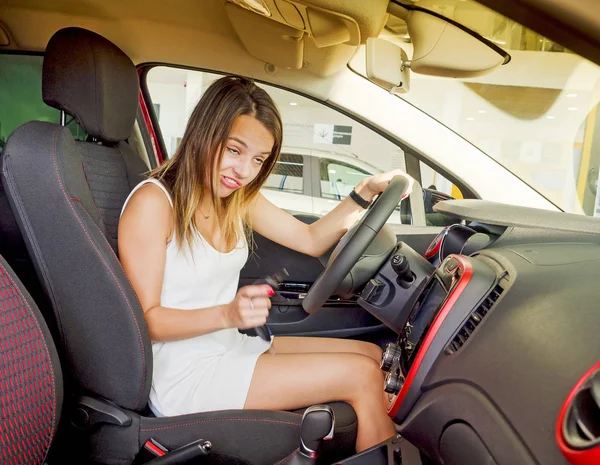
359 200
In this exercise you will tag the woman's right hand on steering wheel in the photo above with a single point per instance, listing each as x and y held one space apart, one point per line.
250 308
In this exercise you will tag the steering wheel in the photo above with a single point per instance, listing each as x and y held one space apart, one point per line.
353 244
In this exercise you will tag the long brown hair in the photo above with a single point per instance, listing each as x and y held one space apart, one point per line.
194 168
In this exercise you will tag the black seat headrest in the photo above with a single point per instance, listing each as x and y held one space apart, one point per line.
93 80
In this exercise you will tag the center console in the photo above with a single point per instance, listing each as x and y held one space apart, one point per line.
450 299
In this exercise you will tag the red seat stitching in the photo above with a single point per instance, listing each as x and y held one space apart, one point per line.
54 158
288 458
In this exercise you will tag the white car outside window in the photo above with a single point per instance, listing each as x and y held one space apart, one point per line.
337 175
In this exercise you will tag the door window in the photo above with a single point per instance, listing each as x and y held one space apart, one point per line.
338 178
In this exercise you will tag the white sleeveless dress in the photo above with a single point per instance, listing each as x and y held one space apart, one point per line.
212 371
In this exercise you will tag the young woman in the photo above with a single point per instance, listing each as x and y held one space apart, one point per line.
183 239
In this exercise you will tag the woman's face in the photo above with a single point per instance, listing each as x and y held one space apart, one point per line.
248 146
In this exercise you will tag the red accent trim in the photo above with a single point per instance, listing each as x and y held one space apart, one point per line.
154 449
467 272
149 125
434 247
576 457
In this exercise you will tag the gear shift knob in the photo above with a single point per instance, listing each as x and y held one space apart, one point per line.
318 424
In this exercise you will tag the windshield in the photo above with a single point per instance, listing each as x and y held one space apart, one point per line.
536 115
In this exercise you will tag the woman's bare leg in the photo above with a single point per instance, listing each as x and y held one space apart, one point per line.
310 345
289 381
305 345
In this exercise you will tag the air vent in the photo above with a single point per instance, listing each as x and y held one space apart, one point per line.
582 427
473 321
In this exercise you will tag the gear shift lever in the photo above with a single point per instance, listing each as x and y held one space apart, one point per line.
318 423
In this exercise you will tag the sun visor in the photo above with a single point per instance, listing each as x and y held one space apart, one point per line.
267 40
386 65
296 33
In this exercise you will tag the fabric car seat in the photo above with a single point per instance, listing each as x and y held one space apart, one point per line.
31 389
67 196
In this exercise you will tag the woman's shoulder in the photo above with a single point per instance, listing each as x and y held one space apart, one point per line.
153 192
148 207
150 195
154 186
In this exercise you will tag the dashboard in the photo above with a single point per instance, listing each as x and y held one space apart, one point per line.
497 328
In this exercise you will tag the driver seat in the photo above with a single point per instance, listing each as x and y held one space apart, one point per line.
66 196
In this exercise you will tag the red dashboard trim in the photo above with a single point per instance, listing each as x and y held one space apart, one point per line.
435 246
576 457
467 272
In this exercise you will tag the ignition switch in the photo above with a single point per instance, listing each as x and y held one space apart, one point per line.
402 268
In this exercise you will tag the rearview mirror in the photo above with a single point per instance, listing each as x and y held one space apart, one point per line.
435 46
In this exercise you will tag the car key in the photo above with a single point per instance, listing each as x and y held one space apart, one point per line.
273 280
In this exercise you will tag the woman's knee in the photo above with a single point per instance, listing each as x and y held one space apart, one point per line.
365 373
371 350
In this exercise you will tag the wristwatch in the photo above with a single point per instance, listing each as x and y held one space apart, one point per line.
359 200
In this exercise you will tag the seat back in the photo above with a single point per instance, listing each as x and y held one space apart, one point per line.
67 196
30 376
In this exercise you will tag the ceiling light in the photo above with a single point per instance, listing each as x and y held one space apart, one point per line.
481 112
332 171
293 104
572 108
551 117
571 95
470 118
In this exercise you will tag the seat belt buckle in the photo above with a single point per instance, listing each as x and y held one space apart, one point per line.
149 451
154 453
